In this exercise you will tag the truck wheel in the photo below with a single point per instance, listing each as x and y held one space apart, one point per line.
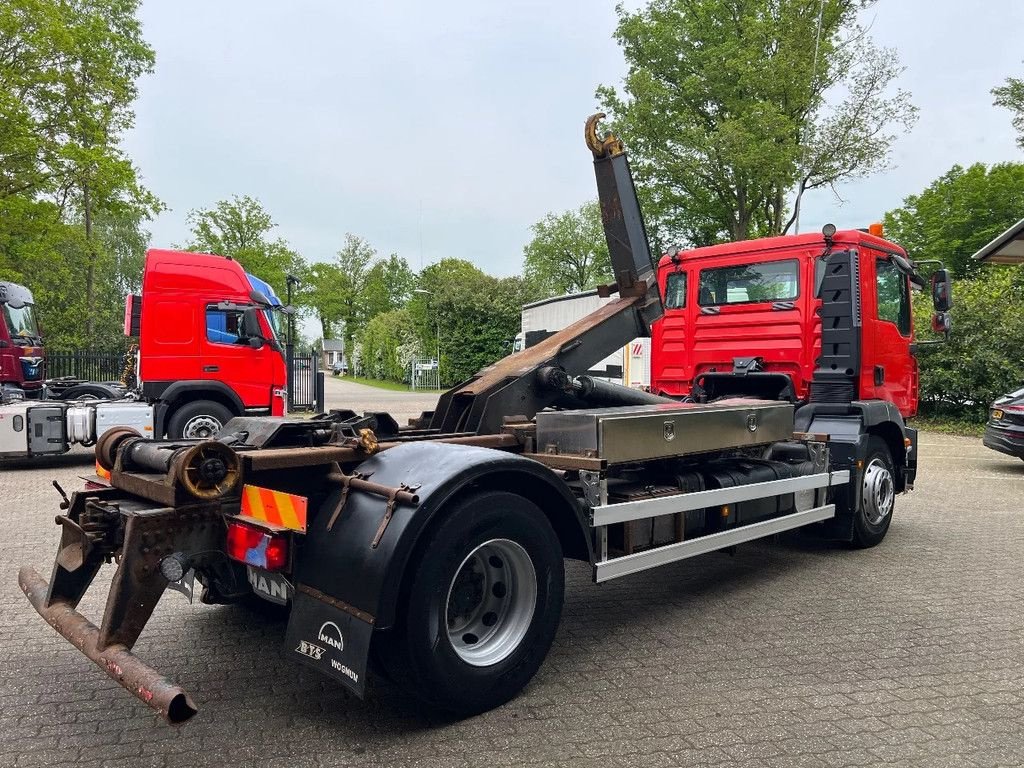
91 391
878 495
200 419
482 605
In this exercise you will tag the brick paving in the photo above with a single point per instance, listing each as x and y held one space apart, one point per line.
789 653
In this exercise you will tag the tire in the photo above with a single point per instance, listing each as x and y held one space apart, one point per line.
91 391
200 419
878 496
481 605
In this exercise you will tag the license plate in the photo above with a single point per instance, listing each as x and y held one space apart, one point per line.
997 414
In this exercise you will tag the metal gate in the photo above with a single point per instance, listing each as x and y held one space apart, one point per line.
425 373
306 382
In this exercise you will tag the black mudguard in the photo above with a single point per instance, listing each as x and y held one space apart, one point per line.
346 588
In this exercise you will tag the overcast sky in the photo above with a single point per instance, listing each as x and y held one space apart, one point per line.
447 129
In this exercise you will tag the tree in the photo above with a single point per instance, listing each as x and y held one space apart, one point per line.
568 252
321 295
68 75
958 213
984 356
388 286
240 228
470 316
353 262
1011 96
725 112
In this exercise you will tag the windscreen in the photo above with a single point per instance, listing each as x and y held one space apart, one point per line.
274 319
21 323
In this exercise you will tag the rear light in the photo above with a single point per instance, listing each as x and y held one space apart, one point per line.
1014 408
252 546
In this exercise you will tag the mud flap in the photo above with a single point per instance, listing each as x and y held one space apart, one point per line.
329 639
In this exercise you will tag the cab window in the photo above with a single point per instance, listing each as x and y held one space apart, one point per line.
224 327
749 283
675 291
893 295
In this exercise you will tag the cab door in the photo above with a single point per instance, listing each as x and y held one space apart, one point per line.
889 370
228 357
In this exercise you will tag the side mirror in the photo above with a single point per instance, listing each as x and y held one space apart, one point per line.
942 291
259 297
251 331
942 323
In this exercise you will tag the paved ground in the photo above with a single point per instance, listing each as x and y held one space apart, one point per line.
788 654
342 393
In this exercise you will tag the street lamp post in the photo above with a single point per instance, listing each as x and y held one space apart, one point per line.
289 346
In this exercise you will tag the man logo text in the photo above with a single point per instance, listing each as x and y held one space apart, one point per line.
330 634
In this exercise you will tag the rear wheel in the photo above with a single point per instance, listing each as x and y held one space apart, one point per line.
91 391
198 420
878 495
482 605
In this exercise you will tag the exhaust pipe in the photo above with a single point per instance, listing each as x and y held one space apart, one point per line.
116 660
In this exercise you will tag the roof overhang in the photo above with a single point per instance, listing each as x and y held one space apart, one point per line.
1008 248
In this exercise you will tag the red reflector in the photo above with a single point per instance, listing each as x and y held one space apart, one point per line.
255 547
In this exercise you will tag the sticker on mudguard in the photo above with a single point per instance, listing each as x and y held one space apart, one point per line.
329 640
270 586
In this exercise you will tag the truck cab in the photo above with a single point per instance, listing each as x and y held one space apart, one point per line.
745 318
21 345
208 343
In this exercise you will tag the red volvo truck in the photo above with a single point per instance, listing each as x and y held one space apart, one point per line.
208 351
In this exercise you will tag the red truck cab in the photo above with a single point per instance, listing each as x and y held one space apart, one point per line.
208 347
727 305
21 344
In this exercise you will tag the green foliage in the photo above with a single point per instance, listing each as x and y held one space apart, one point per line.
1011 96
568 252
387 345
71 205
388 285
984 357
959 213
470 316
723 110
241 229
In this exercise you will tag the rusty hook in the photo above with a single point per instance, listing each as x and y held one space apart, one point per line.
609 146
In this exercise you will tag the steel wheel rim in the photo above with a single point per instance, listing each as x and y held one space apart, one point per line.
201 427
879 492
491 602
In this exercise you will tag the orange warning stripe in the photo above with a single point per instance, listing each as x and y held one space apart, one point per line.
275 507
104 473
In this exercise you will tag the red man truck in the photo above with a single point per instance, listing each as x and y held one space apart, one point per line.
435 551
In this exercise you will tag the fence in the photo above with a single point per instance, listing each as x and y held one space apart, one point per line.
425 373
306 385
91 366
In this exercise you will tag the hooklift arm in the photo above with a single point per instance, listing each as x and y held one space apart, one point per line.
526 383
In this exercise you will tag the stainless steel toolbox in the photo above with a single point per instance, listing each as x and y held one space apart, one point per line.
641 432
